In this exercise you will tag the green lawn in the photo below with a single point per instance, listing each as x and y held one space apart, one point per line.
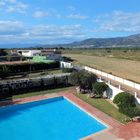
105 107
57 90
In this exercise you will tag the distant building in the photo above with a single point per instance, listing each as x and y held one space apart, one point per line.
29 53
52 54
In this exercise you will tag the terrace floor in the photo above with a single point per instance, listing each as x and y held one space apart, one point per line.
116 130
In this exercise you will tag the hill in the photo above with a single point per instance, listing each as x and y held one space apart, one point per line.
130 41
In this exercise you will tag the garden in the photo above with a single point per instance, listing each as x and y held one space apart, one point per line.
123 108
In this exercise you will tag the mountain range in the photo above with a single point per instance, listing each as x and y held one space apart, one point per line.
129 41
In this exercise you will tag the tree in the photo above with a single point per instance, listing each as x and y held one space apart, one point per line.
83 79
4 72
99 88
3 52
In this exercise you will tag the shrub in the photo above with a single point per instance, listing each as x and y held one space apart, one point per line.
130 111
126 103
4 72
124 99
67 70
26 67
83 79
100 87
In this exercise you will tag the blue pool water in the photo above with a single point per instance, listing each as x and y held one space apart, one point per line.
51 119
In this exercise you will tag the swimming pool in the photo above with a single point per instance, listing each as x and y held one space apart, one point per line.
51 119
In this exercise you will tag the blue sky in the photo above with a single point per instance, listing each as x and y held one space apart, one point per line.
64 21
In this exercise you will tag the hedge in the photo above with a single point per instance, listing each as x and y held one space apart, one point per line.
7 90
27 67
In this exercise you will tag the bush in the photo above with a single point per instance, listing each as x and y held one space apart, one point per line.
100 87
4 72
83 79
124 99
67 70
126 103
130 111
26 67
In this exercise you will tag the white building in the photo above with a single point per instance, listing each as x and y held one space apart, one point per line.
51 54
29 53
64 64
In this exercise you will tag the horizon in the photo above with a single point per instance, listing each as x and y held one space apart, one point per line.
52 22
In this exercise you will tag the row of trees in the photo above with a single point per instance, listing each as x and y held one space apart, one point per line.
7 70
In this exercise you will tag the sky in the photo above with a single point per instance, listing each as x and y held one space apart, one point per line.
65 21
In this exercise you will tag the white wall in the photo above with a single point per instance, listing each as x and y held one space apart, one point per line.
112 91
65 64
115 78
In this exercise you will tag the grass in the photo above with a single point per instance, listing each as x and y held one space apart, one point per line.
57 90
127 69
105 107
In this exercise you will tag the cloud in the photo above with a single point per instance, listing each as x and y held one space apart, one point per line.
77 16
13 6
48 13
16 31
72 8
11 27
41 14
119 21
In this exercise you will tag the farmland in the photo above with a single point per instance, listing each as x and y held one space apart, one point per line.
123 63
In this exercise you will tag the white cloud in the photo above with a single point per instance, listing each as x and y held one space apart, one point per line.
41 14
16 31
72 8
77 16
11 27
12 6
48 13
119 21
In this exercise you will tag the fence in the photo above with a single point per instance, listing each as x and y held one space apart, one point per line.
115 90
114 78
14 87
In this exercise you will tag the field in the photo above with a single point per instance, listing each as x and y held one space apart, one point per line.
120 65
120 53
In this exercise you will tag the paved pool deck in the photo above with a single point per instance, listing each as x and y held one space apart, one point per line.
115 131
